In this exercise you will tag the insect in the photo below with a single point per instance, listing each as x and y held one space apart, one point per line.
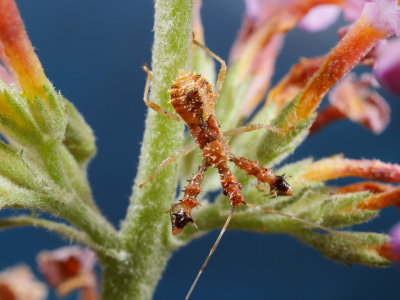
193 99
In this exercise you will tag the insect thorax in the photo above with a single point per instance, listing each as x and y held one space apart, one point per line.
192 97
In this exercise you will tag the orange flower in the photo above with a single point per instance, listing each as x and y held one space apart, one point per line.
337 167
19 50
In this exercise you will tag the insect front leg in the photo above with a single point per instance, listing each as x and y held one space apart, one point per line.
153 105
221 73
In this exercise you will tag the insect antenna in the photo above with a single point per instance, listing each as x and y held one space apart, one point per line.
211 252
324 228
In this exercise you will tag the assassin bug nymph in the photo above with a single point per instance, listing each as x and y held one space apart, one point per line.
193 100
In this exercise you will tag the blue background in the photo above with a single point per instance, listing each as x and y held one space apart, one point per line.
92 51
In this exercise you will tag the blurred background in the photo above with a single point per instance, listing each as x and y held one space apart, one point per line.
92 51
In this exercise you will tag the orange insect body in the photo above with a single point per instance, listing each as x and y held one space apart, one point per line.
193 99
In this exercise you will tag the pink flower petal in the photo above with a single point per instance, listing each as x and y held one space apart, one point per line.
352 9
395 235
387 65
319 18
384 15
391 250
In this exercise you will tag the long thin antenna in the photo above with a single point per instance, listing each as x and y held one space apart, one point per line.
211 252
272 211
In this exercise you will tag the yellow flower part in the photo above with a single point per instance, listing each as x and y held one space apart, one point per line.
9 111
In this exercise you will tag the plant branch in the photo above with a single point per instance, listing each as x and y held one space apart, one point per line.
63 229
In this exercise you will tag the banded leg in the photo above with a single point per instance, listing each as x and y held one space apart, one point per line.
181 213
151 104
221 73
278 185
169 160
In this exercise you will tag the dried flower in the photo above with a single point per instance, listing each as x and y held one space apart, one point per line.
68 269
354 99
18 283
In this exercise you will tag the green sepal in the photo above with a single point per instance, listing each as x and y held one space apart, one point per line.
49 114
76 177
13 196
79 137
16 120
19 170
354 247
340 210
273 147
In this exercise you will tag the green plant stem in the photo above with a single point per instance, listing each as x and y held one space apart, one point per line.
146 230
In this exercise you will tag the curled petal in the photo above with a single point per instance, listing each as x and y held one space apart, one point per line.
337 167
373 187
387 65
381 200
18 283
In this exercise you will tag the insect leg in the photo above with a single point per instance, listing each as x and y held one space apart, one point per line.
153 105
169 160
221 73
277 184
181 213
251 127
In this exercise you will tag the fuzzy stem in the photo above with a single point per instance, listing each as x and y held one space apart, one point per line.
146 229
64 230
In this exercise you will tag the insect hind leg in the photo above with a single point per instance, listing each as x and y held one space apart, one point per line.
277 184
